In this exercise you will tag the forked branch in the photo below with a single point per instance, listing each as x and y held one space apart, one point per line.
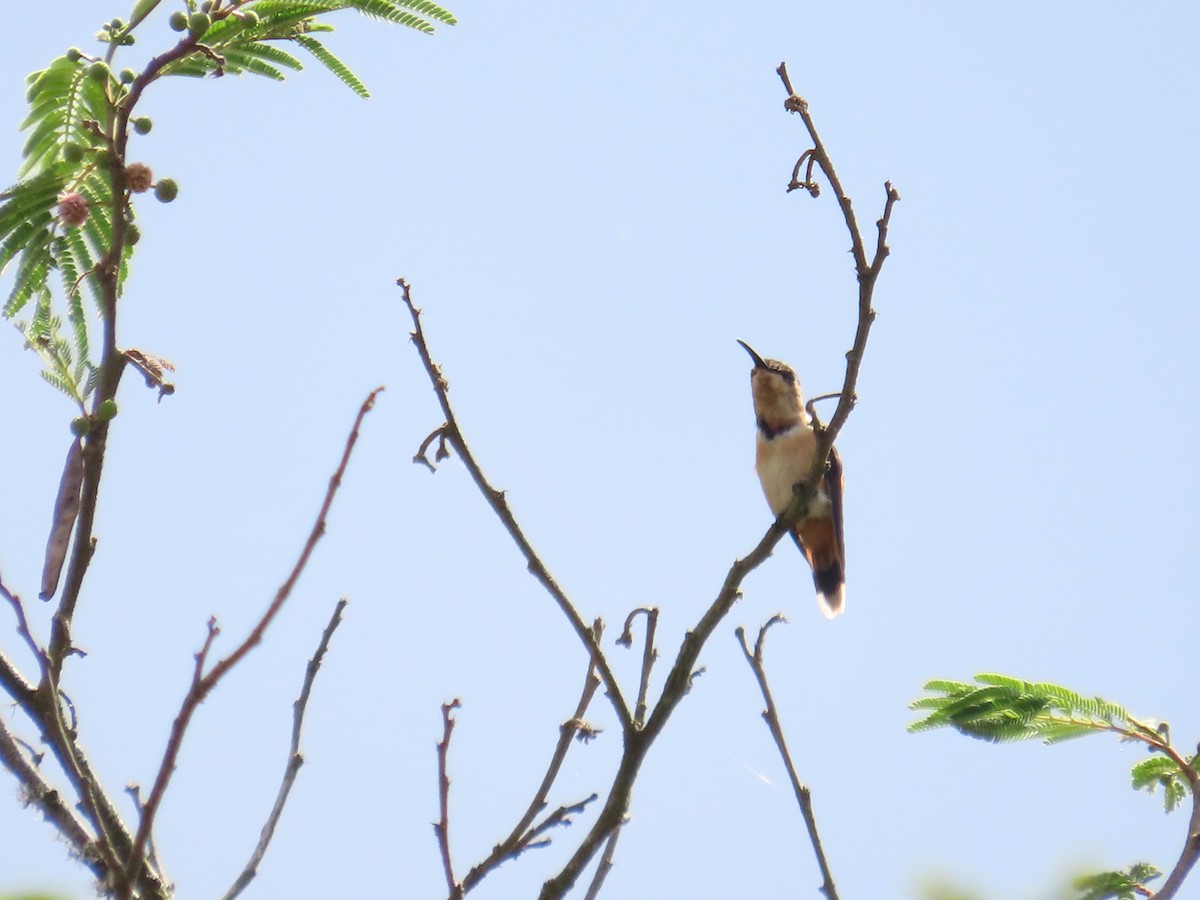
203 683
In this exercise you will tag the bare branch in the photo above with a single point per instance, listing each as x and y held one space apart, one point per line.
295 759
605 866
202 684
517 841
649 655
441 828
679 679
771 717
866 270
37 792
499 505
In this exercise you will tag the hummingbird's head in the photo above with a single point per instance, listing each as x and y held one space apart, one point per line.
778 403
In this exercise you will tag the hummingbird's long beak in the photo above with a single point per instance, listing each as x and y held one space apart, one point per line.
758 360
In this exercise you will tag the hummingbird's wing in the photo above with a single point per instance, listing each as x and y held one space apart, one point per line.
833 489
822 541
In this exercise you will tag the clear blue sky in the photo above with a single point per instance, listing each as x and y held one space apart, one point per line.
589 202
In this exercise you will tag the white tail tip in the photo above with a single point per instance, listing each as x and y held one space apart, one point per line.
832 605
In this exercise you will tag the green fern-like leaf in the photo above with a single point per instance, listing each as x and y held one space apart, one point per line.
333 64
32 273
1000 708
85 264
1127 885
237 63
62 98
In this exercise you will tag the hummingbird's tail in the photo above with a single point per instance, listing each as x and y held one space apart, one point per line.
818 539
831 589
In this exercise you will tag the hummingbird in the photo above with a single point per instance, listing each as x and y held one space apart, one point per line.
786 442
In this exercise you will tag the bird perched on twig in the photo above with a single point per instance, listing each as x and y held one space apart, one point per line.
786 444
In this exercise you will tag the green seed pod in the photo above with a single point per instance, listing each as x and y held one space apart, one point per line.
166 190
199 22
250 17
98 71
142 124
72 153
178 21
133 234
80 426
107 410
74 54
127 76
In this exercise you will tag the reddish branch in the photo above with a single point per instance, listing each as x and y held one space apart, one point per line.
202 684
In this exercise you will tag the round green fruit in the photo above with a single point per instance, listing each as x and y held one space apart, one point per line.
166 190
142 124
127 76
73 153
74 54
199 22
250 17
98 71
133 234
107 410
80 427
178 21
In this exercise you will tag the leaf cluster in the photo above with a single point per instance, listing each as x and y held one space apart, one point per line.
244 41
1001 709
1127 885
77 133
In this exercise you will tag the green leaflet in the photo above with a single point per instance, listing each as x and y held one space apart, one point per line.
333 64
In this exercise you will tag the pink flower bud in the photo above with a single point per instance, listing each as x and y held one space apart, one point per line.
72 209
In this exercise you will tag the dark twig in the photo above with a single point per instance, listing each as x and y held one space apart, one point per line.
679 679
203 684
771 717
649 655
441 828
606 864
516 842
135 794
295 759
499 504
420 457
23 624
560 816
36 791
866 270
678 682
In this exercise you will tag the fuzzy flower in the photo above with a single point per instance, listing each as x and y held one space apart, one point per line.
139 177
72 209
